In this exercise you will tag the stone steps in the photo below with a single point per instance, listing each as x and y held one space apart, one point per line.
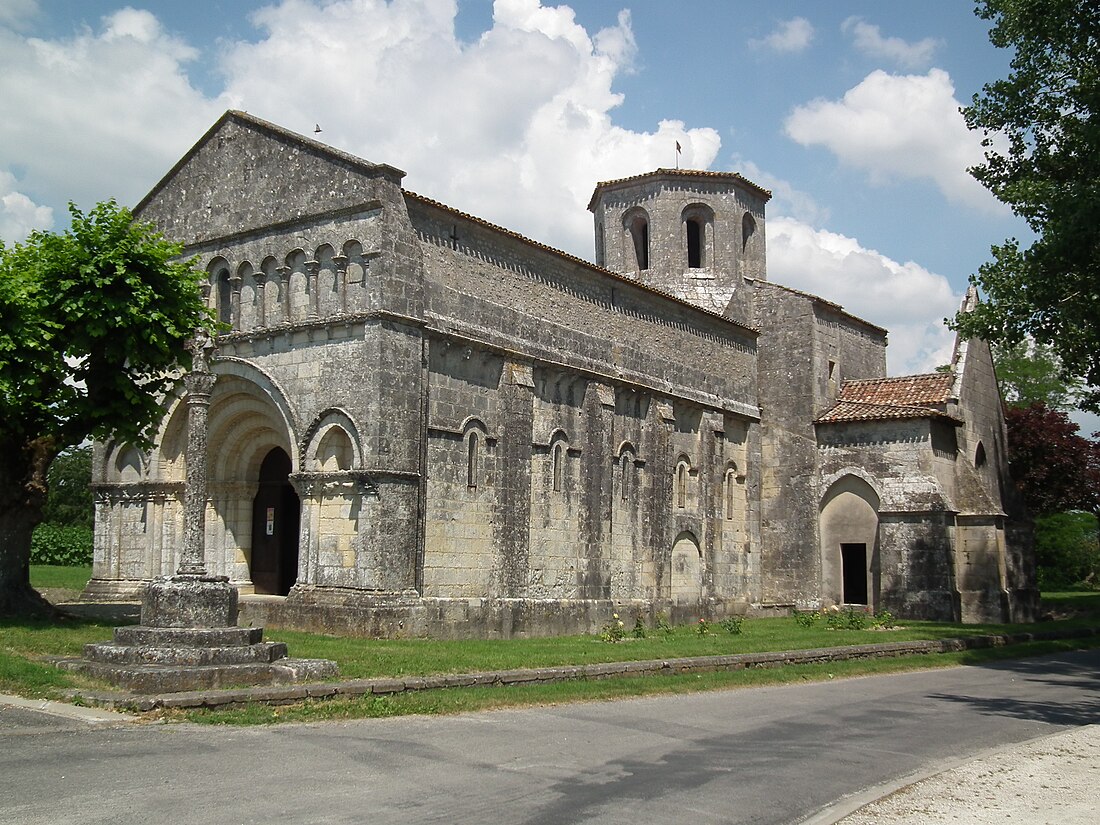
116 654
150 679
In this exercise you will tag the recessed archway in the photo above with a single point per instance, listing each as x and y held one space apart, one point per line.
686 579
849 542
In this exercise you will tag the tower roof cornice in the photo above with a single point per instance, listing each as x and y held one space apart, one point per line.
676 174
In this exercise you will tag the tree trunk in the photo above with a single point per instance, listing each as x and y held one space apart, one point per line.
22 496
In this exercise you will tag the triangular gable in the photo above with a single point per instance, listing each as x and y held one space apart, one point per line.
246 173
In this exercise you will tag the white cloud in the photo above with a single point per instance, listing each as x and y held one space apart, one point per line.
789 36
906 298
899 127
869 40
18 213
515 127
786 199
16 13
101 113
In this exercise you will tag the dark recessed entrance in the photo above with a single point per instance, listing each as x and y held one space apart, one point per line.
276 513
853 560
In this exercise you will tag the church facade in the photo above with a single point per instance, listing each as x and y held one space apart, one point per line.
424 423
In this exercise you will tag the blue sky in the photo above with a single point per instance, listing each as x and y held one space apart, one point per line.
847 111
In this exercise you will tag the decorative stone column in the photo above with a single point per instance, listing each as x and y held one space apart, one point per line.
188 638
340 266
235 282
312 270
261 299
199 383
284 291
192 598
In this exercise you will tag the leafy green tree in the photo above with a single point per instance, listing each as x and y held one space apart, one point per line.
1030 373
1066 550
69 499
94 324
1048 113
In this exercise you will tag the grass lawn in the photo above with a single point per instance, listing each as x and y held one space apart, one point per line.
54 576
23 644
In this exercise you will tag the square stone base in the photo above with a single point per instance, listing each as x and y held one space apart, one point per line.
189 601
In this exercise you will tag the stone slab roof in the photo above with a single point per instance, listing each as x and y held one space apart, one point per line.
879 399
680 173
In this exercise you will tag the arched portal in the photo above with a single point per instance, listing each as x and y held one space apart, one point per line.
276 516
849 542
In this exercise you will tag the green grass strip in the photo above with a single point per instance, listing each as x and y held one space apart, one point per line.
469 699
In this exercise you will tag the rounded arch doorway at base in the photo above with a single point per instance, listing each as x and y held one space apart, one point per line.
849 542
276 518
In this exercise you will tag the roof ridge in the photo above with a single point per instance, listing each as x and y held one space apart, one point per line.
886 378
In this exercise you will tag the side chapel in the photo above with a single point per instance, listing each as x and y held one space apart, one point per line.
424 423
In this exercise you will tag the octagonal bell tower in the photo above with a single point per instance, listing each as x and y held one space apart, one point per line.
697 235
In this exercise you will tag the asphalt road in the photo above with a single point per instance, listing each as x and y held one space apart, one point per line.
766 755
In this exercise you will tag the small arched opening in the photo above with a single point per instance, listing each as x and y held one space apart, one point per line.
636 223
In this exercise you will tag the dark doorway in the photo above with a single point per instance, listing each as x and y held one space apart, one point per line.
276 513
853 561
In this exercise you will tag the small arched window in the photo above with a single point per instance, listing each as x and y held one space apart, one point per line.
558 450
681 485
748 229
627 480
979 456
636 223
695 243
471 461
731 487
698 221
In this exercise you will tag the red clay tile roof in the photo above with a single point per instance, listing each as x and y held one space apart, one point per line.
906 390
683 173
877 399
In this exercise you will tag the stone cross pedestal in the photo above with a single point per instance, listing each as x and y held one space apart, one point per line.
188 638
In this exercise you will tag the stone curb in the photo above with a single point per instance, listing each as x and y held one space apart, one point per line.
287 694
63 710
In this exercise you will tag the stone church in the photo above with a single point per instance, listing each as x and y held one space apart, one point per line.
424 423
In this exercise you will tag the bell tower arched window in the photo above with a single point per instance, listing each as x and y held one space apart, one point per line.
698 221
636 224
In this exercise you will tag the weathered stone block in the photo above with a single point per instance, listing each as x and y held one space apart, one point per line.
189 601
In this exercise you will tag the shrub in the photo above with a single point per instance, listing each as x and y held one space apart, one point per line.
732 624
614 630
660 622
805 618
66 546
849 619
703 629
884 619
639 631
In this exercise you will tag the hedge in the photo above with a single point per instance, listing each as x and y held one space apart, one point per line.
66 546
